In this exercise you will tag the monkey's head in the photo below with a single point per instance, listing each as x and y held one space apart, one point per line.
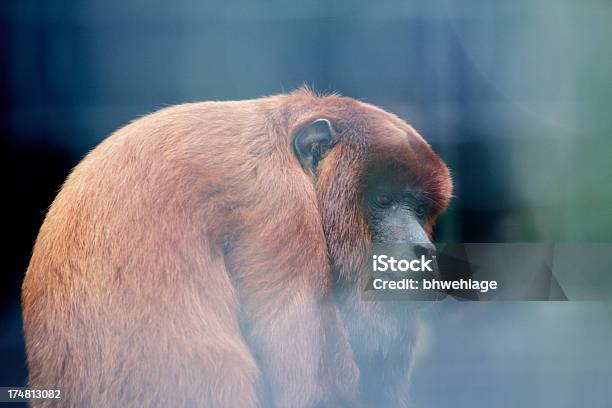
378 182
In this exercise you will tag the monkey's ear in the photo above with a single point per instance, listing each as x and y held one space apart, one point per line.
312 142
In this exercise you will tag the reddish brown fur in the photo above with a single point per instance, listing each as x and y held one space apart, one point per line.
187 258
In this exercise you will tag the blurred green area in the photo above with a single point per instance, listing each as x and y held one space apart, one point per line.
549 136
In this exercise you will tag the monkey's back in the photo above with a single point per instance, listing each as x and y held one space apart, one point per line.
121 254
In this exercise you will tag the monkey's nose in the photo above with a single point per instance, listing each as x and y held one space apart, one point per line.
428 250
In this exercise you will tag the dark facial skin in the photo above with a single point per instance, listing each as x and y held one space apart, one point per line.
396 214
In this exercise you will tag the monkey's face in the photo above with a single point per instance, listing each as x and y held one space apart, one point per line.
381 186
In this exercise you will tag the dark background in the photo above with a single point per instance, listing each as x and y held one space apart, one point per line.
515 96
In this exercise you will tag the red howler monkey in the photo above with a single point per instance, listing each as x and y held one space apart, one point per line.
190 258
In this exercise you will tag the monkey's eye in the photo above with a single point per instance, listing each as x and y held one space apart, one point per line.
421 210
383 199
